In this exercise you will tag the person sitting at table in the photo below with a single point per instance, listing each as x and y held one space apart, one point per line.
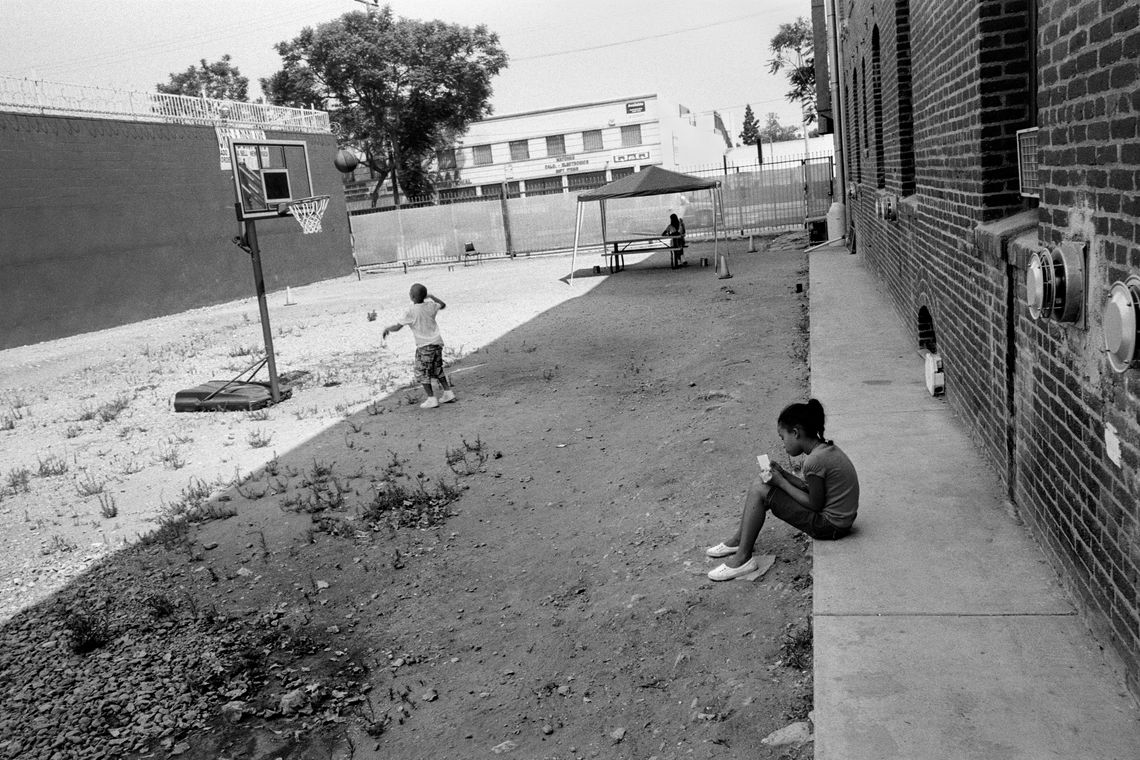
676 230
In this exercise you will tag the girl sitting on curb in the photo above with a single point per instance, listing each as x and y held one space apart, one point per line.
823 504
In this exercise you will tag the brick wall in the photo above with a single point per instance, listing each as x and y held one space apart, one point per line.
1037 395
108 222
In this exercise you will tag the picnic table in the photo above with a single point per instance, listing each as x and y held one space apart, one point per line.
615 256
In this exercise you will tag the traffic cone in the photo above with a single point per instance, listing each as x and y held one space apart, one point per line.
289 297
751 244
722 267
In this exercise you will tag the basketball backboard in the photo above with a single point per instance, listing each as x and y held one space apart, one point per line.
268 175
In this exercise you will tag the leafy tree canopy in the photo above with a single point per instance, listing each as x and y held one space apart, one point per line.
774 131
220 80
794 53
750 133
399 88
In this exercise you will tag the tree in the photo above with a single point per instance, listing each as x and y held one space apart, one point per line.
220 80
774 131
750 134
793 47
399 88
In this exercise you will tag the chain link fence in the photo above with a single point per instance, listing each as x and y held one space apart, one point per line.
770 197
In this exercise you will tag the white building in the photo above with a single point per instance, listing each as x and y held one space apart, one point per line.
573 148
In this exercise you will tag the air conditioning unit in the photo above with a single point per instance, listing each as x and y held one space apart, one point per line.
1055 282
1027 163
935 379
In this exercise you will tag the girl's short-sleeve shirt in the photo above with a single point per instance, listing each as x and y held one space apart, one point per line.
841 496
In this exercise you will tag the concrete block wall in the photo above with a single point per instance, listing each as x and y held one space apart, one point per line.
1037 395
107 222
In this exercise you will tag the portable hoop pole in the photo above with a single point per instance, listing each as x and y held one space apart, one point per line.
262 307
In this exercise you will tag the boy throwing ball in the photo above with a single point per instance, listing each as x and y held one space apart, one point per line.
428 364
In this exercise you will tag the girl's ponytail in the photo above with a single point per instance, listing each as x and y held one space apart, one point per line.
808 416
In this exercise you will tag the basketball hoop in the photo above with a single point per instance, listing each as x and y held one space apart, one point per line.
308 212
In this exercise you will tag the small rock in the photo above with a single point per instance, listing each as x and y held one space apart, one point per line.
333 629
564 690
506 746
180 748
547 729
398 662
233 711
795 733
322 584
244 571
617 735
210 545
430 695
293 701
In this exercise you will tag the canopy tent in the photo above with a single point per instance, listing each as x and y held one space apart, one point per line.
652 180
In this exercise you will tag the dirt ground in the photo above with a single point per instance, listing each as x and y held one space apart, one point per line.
345 574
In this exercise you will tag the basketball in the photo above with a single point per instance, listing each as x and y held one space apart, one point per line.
345 160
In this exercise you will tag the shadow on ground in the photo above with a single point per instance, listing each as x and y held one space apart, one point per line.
522 569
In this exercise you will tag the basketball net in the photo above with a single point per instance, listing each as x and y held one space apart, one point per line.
308 212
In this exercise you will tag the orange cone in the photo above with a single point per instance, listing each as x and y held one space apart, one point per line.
722 267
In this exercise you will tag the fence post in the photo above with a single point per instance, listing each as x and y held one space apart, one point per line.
506 220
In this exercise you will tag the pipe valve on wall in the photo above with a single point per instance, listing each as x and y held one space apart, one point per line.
1055 282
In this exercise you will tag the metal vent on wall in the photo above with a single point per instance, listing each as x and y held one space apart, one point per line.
1027 163
1122 324
1055 283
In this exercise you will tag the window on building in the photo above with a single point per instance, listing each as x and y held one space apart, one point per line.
585 181
630 135
513 190
482 155
544 186
556 145
520 150
445 159
592 140
623 172
491 191
877 109
905 127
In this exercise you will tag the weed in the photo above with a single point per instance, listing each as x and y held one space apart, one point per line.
89 486
375 408
259 439
88 630
52 466
59 545
113 408
193 506
159 605
355 427
796 646
467 458
404 501
372 316
73 431
243 350
305 412
258 415
7 422
170 456
18 479
548 374
107 506
528 349
130 467
180 439
323 490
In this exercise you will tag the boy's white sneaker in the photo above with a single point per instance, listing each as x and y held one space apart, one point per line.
447 397
431 403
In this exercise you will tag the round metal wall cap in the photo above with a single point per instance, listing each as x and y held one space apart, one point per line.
1035 286
1121 322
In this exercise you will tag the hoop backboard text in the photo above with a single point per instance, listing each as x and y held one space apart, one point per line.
268 174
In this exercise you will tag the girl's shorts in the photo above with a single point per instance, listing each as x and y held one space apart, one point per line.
795 514
428 363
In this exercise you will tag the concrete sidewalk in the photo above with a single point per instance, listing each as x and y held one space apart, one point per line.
940 631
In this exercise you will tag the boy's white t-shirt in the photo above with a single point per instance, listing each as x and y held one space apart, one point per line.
421 318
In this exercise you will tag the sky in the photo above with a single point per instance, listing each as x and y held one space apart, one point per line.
707 56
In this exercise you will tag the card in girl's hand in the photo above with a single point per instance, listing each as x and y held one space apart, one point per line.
765 467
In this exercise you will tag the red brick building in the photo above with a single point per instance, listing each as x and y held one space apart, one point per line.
992 175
